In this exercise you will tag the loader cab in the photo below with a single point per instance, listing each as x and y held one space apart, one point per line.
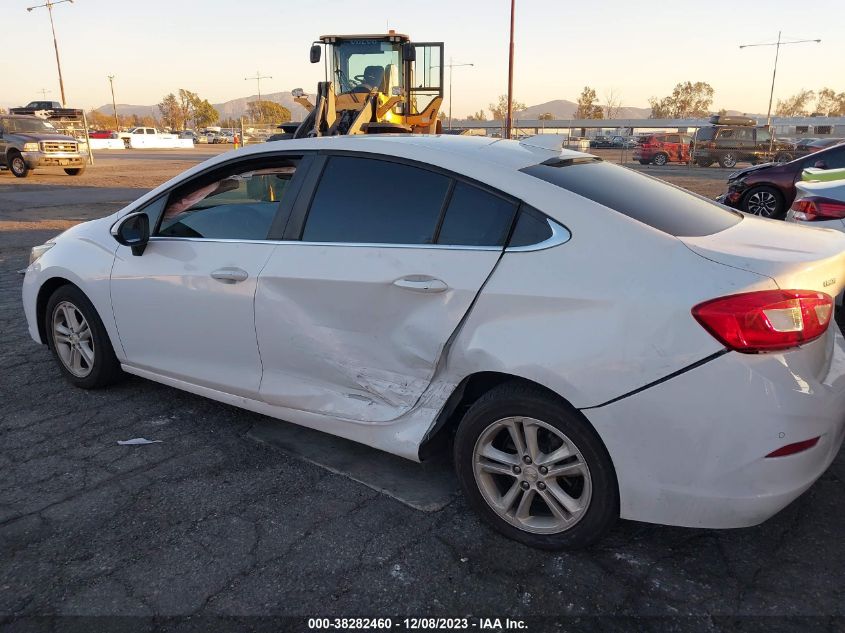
390 65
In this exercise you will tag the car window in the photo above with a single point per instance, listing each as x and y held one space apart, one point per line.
662 206
476 218
371 201
673 138
726 133
763 136
236 203
745 134
532 227
833 158
705 134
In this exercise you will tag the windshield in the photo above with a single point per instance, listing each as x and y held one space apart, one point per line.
365 65
27 125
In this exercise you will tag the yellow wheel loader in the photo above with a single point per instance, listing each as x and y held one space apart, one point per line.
374 84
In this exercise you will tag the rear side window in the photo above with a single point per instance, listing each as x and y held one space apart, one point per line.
372 201
705 134
476 218
531 228
645 199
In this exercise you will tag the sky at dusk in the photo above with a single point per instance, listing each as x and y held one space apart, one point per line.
637 49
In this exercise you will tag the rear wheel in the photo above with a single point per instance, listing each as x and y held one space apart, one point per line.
535 470
74 171
763 201
660 159
17 165
79 341
728 159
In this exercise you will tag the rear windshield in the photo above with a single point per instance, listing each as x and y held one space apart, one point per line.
648 200
705 134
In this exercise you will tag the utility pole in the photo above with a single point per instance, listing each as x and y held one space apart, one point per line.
508 120
114 104
777 46
257 79
49 4
44 92
450 66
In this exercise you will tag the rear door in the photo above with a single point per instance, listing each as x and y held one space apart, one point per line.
352 318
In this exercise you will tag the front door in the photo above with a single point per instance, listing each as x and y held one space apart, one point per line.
353 318
184 308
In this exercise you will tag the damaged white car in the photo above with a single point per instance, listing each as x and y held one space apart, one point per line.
596 343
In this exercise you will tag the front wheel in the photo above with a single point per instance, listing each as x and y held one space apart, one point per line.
74 171
783 157
763 201
535 470
79 341
18 166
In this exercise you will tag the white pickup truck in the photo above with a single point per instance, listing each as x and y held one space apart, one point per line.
149 137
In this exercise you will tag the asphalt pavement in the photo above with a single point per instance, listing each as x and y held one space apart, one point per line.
214 522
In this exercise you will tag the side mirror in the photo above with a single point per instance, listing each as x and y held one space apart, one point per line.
820 164
315 53
409 53
133 231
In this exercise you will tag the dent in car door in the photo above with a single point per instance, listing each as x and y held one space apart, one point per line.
355 330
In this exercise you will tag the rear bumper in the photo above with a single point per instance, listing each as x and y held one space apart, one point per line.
691 451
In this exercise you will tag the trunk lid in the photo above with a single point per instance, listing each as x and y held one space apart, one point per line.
794 257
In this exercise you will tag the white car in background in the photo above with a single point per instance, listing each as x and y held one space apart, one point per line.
595 342
820 203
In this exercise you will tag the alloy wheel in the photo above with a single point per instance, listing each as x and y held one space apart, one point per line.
73 339
660 159
729 160
762 203
18 165
532 475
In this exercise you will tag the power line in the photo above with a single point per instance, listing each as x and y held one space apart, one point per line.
49 4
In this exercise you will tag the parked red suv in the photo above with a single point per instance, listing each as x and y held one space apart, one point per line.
661 148
769 190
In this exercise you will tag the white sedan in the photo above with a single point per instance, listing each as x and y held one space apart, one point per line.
596 343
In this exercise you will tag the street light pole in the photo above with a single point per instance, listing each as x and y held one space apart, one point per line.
777 46
510 77
257 79
450 66
113 104
49 4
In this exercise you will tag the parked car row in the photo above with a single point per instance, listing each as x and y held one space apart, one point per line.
768 190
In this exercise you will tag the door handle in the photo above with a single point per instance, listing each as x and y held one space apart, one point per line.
229 275
421 283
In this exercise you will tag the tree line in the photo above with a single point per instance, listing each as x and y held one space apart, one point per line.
828 102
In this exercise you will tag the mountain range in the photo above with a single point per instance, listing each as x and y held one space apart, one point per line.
558 108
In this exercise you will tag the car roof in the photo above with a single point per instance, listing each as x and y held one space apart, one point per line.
506 153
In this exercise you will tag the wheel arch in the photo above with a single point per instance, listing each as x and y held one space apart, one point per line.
468 391
44 293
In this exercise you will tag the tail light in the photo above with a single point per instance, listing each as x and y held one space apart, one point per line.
767 320
815 208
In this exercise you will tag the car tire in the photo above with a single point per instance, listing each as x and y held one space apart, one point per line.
728 159
17 165
783 157
764 201
78 340
74 171
660 159
515 496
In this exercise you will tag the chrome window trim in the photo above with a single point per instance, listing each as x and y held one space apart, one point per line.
560 235
449 247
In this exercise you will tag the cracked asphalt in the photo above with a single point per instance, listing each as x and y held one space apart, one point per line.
212 523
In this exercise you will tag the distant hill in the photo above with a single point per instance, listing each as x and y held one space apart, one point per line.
234 108
561 109
564 109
